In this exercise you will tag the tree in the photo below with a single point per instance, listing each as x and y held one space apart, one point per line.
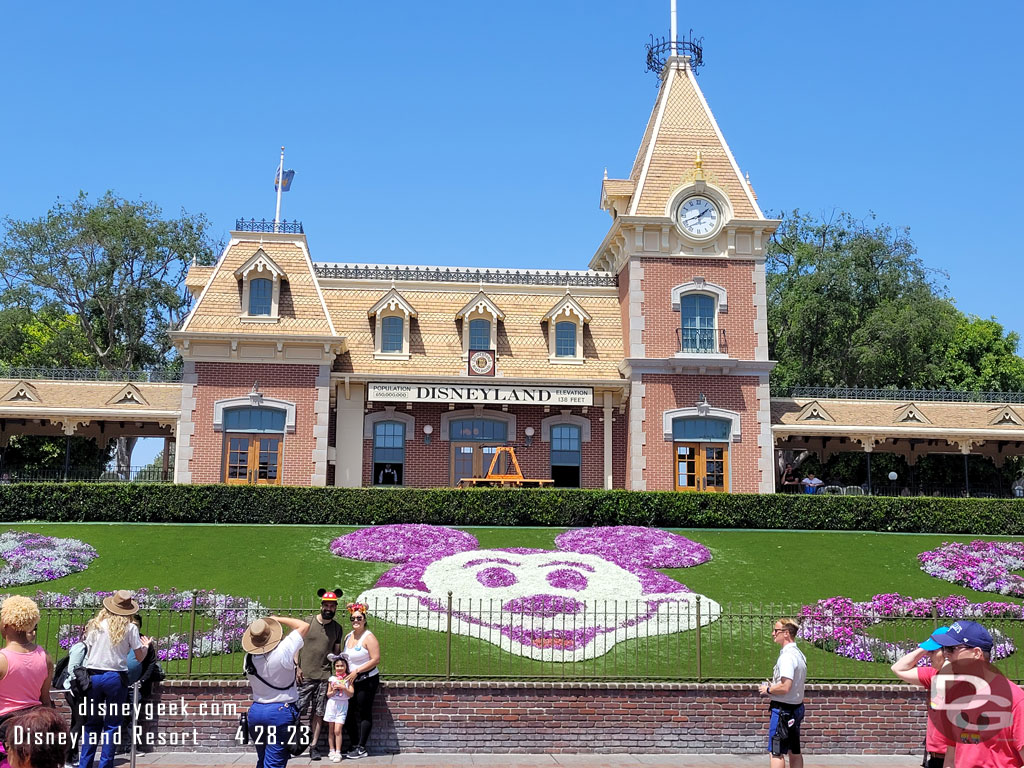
852 305
116 266
981 357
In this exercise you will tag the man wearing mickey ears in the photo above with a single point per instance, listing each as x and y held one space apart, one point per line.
313 668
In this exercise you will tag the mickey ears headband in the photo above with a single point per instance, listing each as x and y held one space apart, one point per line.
329 596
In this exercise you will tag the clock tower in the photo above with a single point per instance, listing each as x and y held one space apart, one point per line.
688 243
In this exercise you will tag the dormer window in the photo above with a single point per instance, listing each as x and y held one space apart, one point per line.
480 334
261 280
565 339
393 317
261 292
565 331
480 319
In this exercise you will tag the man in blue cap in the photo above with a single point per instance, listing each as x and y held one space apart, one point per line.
983 715
907 669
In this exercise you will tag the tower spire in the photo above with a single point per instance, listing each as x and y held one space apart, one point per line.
672 29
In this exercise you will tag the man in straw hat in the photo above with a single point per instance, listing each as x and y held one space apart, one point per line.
270 668
324 638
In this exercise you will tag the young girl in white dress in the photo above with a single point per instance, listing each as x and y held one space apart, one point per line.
338 692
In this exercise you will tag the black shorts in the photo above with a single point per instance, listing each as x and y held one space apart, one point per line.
313 696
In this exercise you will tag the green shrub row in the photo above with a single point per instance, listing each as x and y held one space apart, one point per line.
150 502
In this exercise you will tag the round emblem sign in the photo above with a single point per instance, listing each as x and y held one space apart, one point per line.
481 363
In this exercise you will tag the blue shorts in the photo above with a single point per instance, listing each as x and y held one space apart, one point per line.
784 729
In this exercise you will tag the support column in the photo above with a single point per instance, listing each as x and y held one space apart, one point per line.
609 445
348 467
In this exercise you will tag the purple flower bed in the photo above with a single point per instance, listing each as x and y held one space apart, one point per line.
982 565
401 543
633 544
839 624
231 614
31 557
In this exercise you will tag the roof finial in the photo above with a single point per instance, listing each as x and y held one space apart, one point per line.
606 171
698 164
672 31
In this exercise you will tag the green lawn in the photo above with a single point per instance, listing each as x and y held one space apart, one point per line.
755 575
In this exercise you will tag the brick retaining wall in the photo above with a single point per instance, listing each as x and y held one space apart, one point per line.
577 717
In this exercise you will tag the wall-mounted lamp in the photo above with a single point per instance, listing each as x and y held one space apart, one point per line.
428 430
530 432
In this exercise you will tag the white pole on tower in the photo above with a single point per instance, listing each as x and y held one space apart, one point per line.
672 37
280 185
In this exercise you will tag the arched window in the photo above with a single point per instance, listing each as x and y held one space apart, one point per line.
261 292
250 418
479 334
701 428
565 455
698 333
388 453
565 339
482 430
391 329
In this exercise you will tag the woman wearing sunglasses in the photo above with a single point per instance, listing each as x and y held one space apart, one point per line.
362 651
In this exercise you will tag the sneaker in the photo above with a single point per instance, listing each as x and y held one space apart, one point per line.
355 753
335 757
314 753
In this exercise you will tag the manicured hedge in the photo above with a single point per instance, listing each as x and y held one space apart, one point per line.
165 503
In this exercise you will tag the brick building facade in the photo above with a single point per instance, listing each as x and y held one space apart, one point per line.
647 370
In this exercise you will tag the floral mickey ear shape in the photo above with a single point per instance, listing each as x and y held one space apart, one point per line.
632 546
401 543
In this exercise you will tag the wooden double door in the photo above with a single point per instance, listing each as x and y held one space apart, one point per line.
253 459
702 467
473 460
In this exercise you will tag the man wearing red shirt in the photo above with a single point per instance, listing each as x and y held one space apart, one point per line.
984 715
906 668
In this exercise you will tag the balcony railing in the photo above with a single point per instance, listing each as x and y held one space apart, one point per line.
142 474
262 225
156 376
702 341
901 395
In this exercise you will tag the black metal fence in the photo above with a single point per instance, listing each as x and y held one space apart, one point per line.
154 376
141 474
650 639
899 395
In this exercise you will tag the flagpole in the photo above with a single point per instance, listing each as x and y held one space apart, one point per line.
280 186
672 33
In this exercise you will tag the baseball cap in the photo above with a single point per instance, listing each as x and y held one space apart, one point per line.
969 633
930 644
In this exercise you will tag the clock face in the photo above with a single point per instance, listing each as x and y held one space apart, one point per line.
698 216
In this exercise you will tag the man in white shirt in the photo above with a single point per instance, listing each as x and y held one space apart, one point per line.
786 690
811 483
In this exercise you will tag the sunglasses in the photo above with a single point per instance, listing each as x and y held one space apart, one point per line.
357 618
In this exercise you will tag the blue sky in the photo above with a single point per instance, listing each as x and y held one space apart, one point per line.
477 133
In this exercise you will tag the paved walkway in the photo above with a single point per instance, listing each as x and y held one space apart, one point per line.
412 760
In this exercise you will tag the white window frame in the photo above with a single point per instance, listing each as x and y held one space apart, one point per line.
480 307
701 287
389 414
260 265
478 413
259 401
567 309
701 411
393 304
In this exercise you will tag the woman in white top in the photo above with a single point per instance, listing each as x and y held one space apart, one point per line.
362 651
270 667
110 637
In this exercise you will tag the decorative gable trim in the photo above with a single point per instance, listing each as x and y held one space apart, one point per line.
700 285
910 412
814 411
391 301
480 304
261 262
128 395
22 392
567 306
1005 416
